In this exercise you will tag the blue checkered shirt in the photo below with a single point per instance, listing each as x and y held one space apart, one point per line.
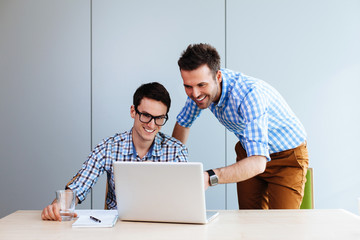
120 148
255 112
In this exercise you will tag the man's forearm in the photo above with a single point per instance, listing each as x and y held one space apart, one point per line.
181 133
242 170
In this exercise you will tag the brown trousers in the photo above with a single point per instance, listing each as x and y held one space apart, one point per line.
281 186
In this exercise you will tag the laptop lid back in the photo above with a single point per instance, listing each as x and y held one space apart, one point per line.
160 191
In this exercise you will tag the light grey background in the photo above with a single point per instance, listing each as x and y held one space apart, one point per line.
68 70
127 55
44 99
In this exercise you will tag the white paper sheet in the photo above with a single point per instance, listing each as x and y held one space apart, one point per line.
108 218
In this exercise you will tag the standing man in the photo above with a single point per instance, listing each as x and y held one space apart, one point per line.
144 142
272 156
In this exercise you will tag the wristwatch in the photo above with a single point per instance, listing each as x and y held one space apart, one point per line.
214 180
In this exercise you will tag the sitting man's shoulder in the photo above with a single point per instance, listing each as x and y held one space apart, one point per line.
165 139
117 138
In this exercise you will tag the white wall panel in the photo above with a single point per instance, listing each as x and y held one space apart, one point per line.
44 99
136 42
310 52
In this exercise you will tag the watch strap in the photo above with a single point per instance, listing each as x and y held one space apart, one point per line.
211 172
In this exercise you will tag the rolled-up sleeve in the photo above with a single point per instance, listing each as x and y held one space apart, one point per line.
88 175
188 114
254 109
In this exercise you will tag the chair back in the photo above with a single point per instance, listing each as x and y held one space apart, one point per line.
308 199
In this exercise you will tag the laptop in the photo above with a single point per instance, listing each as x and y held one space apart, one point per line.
161 192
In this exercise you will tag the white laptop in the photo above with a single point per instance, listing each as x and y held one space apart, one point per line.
161 192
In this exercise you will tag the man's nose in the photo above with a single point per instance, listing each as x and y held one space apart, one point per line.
151 123
196 92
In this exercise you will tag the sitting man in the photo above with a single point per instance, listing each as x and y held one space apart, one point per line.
144 142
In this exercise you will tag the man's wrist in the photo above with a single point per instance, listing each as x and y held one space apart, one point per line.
213 178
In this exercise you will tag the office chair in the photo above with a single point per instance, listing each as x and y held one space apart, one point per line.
106 191
308 199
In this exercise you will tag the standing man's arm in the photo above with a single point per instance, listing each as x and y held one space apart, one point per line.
181 133
253 111
239 171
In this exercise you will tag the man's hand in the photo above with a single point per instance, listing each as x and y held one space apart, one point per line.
52 212
206 180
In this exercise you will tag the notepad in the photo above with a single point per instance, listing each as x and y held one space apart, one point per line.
108 218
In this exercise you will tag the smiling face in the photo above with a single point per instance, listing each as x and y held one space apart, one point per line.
145 132
201 86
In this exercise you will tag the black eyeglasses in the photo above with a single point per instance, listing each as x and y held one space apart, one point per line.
146 118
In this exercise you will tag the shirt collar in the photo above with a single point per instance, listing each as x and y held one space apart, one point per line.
155 149
224 88
148 154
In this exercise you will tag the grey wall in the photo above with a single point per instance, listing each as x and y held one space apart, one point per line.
133 45
68 71
310 51
44 99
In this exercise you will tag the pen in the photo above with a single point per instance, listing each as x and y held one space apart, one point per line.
95 219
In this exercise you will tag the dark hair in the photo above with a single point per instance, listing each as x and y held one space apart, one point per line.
197 55
153 90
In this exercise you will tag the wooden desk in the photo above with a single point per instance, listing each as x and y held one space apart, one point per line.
245 224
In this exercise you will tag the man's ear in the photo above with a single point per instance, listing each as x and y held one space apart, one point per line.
132 111
218 76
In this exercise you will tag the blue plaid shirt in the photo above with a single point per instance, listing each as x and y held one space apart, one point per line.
255 112
120 148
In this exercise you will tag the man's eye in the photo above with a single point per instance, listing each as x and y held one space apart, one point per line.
146 115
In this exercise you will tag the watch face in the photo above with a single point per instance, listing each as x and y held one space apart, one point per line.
213 180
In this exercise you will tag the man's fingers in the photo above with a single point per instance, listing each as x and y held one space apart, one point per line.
45 214
51 212
56 212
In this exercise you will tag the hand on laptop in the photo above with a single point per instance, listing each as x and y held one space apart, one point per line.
206 180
